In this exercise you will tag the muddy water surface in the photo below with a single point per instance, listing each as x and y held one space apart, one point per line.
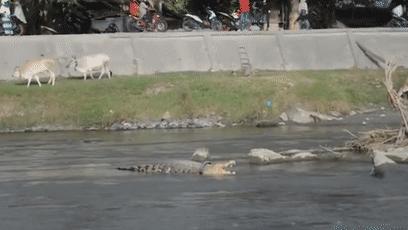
67 180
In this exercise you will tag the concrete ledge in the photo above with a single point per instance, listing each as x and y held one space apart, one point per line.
147 53
317 51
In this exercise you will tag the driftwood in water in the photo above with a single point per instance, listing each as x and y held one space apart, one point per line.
396 99
369 140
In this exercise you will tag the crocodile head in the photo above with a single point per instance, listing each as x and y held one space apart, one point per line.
217 169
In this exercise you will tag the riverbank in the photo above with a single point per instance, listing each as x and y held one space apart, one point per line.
186 100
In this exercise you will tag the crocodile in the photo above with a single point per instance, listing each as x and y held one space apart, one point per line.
206 168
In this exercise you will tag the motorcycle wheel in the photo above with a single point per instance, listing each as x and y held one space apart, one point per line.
46 32
134 26
227 23
391 24
187 24
19 29
216 25
162 26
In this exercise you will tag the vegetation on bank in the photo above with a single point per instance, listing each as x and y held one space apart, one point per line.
92 103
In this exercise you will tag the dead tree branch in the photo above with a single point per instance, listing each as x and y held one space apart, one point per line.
395 97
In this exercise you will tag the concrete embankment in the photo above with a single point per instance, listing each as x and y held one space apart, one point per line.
147 53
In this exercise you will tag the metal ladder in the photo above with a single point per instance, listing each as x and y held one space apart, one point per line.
245 62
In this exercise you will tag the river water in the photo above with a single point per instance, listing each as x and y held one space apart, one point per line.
67 180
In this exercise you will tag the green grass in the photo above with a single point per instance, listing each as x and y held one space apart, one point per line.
78 103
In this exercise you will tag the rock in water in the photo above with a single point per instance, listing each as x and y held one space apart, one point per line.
399 155
380 158
284 117
301 116
303 156
380 162
264 156
201 154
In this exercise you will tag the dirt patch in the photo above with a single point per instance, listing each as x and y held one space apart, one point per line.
7 108
158 88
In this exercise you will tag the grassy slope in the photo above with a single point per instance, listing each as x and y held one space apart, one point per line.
100 103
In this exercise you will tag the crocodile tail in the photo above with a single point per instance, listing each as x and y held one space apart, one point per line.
126 169
146 168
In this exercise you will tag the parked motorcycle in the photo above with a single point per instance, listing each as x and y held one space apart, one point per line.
230 22
72 21
16 22
397 22
397 19
17 26
194 22
154 23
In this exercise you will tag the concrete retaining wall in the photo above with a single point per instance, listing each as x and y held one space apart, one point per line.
147 53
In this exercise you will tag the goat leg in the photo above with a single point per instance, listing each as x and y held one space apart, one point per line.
102 73
29 82
50 80
108 71
53 78
91 74
38 80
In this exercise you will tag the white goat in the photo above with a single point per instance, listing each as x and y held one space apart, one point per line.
92 63
32 69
